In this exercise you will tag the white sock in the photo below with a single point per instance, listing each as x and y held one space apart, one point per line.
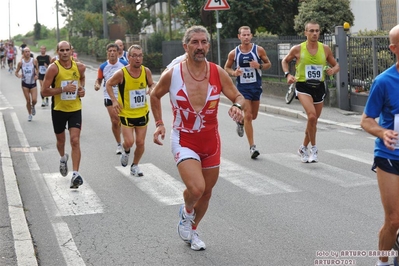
380 263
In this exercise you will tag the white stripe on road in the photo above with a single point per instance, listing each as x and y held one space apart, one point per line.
251 181
346 132
72 201
320 170
157 184
24 251
64 237
355 155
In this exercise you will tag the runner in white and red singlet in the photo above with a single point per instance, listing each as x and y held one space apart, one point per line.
194 87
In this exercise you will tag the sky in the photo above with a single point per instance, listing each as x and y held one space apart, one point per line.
23 16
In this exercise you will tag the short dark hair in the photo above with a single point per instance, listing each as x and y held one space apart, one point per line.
112 45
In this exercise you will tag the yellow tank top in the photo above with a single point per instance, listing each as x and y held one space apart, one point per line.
311 66
67 101
132 94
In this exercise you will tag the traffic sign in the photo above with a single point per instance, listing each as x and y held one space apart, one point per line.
217 5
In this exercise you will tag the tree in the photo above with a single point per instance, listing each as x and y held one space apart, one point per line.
282 17
326 13
257 13
134 13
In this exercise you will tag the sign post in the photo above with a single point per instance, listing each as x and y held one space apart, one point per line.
217 5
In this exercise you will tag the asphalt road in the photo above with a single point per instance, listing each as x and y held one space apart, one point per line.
271 211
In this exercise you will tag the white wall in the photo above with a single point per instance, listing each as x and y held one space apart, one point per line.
365 12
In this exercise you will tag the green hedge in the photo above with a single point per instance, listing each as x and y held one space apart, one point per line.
153 61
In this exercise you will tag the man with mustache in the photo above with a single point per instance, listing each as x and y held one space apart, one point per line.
194 87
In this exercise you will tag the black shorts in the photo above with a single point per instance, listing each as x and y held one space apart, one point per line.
317 94
29 86
387 165
107 102
135 122
41 77
60 120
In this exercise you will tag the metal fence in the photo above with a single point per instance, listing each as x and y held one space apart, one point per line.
367 57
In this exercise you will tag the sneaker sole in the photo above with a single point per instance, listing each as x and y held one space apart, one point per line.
137 175
255 155
195 249
76 183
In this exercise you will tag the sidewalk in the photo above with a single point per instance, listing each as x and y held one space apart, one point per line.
277 105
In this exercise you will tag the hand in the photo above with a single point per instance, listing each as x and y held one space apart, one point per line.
70 87
236 113
97 86
81 92
254 64
160 130
390 139
238 72
117 108
291 79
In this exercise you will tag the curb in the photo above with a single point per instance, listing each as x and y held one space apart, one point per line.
265 108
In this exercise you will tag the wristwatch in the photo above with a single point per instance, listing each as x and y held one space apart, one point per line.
237 105
286 74
260 66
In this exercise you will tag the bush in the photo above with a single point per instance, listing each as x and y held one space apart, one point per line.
154 44
153 61
80 44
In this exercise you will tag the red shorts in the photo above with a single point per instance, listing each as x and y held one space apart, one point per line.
203 146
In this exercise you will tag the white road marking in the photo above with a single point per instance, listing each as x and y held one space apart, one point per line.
347 132
64 237
159 185
251 181
72 201
355 155
321 170
25 253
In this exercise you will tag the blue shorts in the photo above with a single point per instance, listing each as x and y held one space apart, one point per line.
252 94
387 165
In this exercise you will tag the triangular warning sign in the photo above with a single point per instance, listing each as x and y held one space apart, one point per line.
217 5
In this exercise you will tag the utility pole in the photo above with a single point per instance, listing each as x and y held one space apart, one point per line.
170 20
9 21
58 28
105 23
37 20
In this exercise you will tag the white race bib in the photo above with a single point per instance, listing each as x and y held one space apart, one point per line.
396 128
137 98
314 72
69 96
42 69
248 75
